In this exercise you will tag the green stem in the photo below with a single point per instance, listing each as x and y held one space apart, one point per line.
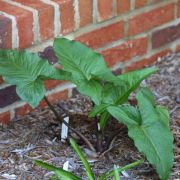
103 120
98 136
111 173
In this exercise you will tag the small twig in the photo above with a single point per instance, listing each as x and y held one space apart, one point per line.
23 151
111 139
62 108
72 129
174 109
109 149
177 157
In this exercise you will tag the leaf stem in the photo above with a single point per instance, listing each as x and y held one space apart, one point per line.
111 173
98 136
72 129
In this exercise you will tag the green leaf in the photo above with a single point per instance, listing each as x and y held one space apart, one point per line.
60 173
31 92
149 95
91 88
133 79
85 66
104 119
123 115
146 106
83 159
98 109
118 91
57 74
163 114
125 168
116 173
53 177
105 116
133 113
80 60
25 70
111 92
151 135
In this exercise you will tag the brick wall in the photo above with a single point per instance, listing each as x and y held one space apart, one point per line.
129 34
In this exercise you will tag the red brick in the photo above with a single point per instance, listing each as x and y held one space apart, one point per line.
103 36
24 20
178 48
178 9
46 17
125 51
55 98
146 61
67 15
5 118
85 12
105 9
8 96
123 6
5 32
155 1
23 110
140 3
148 20
50 84
165 36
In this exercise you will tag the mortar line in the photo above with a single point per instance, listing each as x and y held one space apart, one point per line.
92 27
35 18
95 11
77 15
57 22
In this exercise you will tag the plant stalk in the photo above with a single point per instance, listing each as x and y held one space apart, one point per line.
111 173
72 129
98 136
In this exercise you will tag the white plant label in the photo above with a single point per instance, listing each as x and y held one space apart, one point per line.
66 166
64 130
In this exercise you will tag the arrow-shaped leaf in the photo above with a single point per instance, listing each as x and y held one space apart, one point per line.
151 133
118 91
133 79
85 65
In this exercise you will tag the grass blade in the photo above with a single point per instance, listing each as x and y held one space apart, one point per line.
58 171
116 173
89 172
111 173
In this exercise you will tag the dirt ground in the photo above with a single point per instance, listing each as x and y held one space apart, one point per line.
35 137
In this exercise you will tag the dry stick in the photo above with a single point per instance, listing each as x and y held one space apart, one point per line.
111 139
72 129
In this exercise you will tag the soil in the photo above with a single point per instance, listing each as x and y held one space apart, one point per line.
36 136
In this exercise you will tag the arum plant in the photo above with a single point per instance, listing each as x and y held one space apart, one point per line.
147 123
148 126
62 174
